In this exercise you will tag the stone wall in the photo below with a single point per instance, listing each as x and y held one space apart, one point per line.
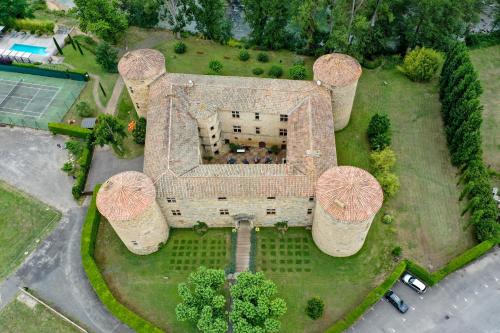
291 209
144 234
342 101
335 238
139 93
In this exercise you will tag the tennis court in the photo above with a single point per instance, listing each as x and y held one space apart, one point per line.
33 101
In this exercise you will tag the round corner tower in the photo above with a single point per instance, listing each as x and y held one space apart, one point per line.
347 200
128 201
339 73
139 69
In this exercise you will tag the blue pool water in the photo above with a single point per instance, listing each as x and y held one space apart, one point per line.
29 48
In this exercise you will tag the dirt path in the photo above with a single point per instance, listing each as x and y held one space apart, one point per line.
115 96
95 92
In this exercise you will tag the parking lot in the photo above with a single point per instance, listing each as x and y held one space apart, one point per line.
467 301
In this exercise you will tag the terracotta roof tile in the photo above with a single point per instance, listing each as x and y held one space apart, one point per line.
349 194
141 64
125 196
336 69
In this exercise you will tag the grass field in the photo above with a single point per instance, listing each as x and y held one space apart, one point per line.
302 271
87 63
148 284
426 208
23 220
17 317
487 63
126 113
200 52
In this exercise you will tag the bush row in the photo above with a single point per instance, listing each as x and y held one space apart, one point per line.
408 265
461 110
81 176
89 235
234 243
53 71
35 26
71 130
252 265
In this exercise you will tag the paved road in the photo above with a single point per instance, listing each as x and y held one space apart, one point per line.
31 161
467 301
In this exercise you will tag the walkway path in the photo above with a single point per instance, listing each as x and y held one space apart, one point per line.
96 92
113 100
243 248
31 160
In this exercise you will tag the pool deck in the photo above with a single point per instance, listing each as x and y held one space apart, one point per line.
9 39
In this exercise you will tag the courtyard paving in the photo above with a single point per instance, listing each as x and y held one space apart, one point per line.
31 160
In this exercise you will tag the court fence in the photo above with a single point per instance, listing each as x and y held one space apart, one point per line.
35 70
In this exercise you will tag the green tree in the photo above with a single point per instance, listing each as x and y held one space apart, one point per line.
141 13
10 10
210 19
255 306
84 109
139 132
108 130
268 20
315 308
421 64
203 302
107 57
382 160
177 15
102 17
379 132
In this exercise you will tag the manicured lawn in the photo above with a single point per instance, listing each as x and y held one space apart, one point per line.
23 221
17 317
148 284
200 52
126 113
87 63
487 63
427 210
302 271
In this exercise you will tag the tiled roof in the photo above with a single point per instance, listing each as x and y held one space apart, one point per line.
141 64
336 69
349 194
125 196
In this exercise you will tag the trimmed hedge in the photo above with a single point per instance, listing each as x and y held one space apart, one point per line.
71 130
408 265
35 26
81 178
84 74
234 243
89 235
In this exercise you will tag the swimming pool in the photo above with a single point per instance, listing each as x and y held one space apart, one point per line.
29 48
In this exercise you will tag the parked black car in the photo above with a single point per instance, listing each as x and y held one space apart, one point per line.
397 302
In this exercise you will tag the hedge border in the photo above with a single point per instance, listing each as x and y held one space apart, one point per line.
407 265
37 70
88 241
71 130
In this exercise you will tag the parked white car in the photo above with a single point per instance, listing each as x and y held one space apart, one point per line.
414 283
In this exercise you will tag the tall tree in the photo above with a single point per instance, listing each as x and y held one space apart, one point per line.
268 20
13 9
210 19
141 13
102 17
177 15
108 130
203 302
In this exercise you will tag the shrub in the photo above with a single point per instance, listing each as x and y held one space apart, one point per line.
180 48
389 183
139 132
233 147
262 57
275 71
298 72
84 109
421 64
282 226
274 149
382 160
215 66
75 147
397 251
315 307
33 25
257 71
71 130
244 55
67 167
379 132
387 219
200 228
107 57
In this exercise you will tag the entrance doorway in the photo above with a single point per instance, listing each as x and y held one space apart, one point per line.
262 144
